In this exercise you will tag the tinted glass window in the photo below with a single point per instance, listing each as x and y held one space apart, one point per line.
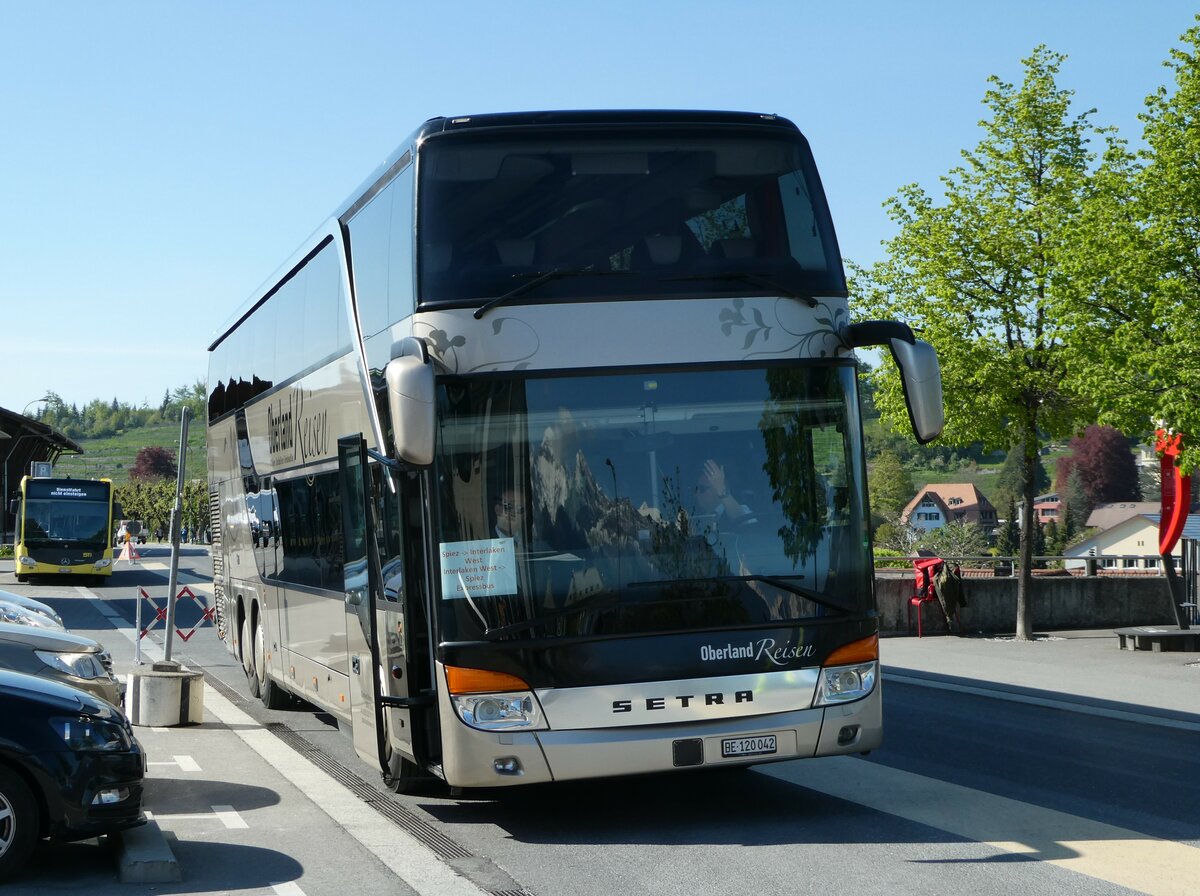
300 326
665 502
381 238
310 532
622 213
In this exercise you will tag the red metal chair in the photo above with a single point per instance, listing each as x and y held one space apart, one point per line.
924 571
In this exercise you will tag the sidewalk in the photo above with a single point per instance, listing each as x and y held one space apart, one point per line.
1086 668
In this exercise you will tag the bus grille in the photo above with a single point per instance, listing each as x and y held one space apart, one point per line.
218 561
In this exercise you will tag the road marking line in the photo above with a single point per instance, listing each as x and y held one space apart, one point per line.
229 817
1118 855
183 763
287 889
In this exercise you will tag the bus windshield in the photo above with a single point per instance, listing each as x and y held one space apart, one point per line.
66 521
553 214
649 503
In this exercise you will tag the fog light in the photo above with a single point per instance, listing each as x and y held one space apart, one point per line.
509 765
108 797
848 735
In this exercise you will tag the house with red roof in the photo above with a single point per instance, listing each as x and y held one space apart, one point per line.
954 502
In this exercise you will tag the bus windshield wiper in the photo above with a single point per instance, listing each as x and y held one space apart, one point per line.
591 602
784 583
759 280
538 279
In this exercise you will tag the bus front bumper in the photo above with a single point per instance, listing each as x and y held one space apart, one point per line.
473 758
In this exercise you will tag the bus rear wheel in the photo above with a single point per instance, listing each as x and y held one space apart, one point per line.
247 648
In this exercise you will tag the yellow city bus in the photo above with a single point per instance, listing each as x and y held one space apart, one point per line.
555 427
64 528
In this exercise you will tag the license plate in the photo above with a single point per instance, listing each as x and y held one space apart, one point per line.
762 745
64 569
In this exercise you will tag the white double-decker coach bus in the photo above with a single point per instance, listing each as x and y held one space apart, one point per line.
541 460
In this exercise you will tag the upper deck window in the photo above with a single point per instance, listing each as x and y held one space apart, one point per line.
595 213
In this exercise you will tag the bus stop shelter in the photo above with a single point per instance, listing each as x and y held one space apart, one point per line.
23 442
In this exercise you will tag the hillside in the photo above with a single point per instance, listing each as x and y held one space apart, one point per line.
112 456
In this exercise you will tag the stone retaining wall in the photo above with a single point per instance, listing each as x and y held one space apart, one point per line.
1059 602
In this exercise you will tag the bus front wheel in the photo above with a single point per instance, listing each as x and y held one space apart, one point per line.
271 694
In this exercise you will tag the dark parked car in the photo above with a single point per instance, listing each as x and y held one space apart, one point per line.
61 656
70 767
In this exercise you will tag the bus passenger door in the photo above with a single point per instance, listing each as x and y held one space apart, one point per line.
362 589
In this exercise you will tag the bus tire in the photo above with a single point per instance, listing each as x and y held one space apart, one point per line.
247 648
19 823
404 776
271 694
22 579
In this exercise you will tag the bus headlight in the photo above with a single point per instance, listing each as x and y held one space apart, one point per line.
101 564
841 684
850 672
499 712
493 701
26 560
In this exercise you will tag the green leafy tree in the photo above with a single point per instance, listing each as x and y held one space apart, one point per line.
980 274
1008 538
1010 483
891 485
1143 268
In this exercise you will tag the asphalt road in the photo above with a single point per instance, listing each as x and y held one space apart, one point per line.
969 794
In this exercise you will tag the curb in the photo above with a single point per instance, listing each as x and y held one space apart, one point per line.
145 858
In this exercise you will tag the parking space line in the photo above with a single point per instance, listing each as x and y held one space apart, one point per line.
183 763
227 815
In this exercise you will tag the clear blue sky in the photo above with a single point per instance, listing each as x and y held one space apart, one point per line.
159 160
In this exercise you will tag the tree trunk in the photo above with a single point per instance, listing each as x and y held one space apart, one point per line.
1025 580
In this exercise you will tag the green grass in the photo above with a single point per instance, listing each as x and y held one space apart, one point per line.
113 456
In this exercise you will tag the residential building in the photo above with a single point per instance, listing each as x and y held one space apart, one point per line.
936 505
1129 543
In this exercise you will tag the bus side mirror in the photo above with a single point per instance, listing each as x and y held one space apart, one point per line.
921 375
411 403
14 506
920 372
118 511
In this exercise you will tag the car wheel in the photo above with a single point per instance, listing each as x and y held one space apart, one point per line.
18 823
247 647
271 694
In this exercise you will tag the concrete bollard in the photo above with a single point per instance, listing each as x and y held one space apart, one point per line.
165 695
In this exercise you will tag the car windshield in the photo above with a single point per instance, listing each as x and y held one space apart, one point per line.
649 503
591 213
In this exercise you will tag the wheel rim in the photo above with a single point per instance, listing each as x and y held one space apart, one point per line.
8 825
247 647
260 653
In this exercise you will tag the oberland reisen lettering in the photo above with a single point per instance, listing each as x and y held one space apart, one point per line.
291 435
762 649
685 700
